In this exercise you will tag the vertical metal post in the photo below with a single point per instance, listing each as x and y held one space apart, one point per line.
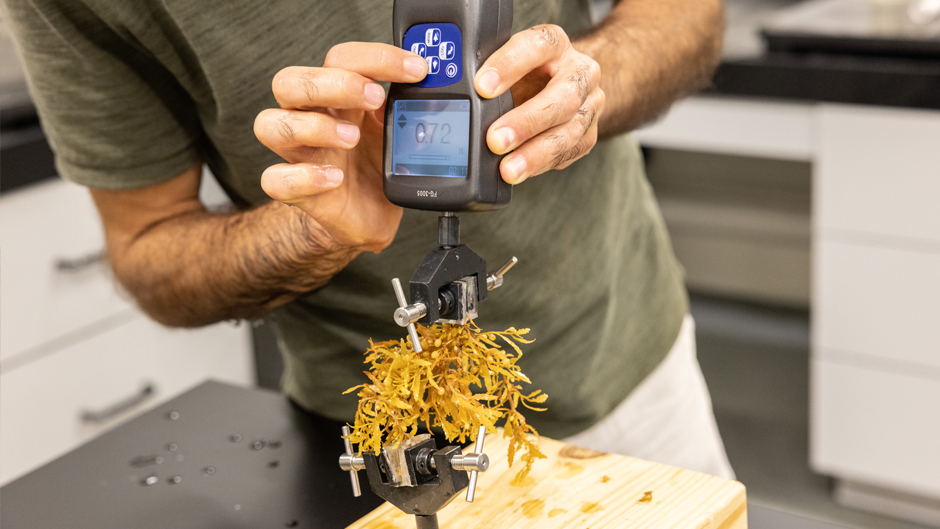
427 522
448 230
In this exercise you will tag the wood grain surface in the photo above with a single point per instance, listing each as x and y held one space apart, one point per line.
575 487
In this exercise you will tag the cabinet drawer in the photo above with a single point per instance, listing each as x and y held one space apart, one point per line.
877 301
40 226
735 125
876 427
42 402
877 171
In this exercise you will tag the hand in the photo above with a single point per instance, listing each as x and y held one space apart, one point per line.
558 100
329 130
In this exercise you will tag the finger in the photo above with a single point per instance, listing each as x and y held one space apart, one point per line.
284 131
582 148
302 88
381 62
525 51
556 147
295 183
557 104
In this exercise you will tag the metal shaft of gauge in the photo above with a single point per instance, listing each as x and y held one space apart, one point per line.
436 159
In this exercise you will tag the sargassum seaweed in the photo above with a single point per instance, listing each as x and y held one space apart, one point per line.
435 388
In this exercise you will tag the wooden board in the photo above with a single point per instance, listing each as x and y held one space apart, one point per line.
575 487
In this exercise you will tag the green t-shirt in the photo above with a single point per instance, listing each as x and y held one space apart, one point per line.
134 93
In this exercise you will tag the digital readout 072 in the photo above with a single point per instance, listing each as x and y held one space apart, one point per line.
431 137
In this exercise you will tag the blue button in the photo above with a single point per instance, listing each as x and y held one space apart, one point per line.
446 51
441 46
432 37
420 49
434 65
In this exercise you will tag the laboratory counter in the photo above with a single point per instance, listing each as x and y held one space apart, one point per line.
226 456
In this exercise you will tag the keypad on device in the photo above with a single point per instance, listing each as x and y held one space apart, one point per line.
440 45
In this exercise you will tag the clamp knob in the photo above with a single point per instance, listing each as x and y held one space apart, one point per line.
351 463
495 279
407 314
471 462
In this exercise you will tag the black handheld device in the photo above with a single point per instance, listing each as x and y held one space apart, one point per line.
435 155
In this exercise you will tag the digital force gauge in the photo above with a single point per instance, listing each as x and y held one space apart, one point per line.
435 156
436 159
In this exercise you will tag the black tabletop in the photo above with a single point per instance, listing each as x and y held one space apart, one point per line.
911 82
834 51
218 456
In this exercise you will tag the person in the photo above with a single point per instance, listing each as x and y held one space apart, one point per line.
136 97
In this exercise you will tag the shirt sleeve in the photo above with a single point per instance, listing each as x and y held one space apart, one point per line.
114 116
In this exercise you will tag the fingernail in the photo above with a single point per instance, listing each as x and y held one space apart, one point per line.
517 166
348 133
505 138
416 67
489 82
334 175
375 95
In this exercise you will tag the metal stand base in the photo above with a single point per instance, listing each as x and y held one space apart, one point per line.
426 522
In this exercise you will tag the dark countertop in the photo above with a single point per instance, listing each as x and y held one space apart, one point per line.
854 79
827 50
218 456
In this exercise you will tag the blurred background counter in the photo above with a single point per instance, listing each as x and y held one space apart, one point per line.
800 191
808 177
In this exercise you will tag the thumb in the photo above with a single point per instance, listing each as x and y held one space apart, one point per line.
296 183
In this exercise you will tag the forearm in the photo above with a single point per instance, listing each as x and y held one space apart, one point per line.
198 267
652 53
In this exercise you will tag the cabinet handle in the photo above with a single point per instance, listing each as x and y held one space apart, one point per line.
111 411
74 264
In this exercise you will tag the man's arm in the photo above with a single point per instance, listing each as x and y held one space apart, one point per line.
186 266
652 53
623 73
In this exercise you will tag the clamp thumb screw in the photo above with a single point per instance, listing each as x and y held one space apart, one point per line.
478 451
403 306
352 463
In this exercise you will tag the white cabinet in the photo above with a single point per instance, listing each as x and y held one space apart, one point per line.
875 394
749 127
877 304
878 174
42 403
71 342
875 391
40 303
876 425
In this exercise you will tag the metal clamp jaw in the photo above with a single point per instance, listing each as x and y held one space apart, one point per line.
448 285
416 477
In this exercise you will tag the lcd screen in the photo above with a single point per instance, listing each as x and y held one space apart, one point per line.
431 138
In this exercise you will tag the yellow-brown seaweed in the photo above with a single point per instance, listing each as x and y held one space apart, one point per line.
434 388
